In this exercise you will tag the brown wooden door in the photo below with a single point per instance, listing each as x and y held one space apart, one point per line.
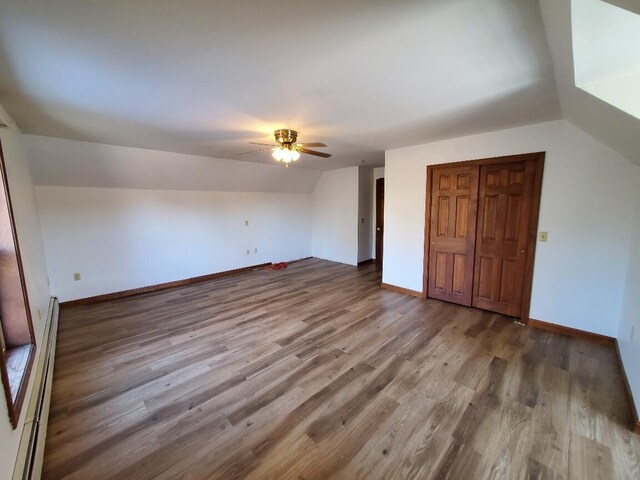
454 197
379 220
504 210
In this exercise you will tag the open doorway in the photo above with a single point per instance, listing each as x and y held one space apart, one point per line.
379 221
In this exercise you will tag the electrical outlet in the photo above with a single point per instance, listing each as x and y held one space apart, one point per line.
632 334
76 277
543 236
255 250
248 252
362 220
39 315
246 223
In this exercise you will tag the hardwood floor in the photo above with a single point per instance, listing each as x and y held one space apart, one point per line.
315 372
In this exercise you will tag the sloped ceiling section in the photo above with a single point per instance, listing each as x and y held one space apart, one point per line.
607 123
71 163
205 77
630 5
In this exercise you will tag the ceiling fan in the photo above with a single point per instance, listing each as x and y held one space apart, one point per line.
288 150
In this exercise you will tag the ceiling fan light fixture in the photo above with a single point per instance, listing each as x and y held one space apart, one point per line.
286 154
287 150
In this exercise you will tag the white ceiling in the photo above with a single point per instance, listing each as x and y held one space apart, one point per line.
206 77
606 53
612 126
606 41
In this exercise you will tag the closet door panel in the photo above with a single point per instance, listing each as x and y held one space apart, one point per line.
504 209
452 233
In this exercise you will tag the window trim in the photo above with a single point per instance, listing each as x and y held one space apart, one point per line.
14 407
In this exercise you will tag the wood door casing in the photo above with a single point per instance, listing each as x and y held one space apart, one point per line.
454 197
502 238
538 159
15 315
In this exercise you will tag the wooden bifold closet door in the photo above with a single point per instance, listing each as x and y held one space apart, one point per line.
479 234
504 208
454 200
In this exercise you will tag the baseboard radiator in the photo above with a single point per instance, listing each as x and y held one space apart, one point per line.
34 433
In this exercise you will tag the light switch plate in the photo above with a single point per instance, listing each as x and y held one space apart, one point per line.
543 236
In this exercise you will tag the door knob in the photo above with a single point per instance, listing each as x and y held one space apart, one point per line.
379 229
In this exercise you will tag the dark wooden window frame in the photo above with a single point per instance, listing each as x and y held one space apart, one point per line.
15 406
538 158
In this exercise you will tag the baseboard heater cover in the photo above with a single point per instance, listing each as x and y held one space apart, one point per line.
34 433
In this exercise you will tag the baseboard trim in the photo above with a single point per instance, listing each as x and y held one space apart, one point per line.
405 291
161 286
604 340
627 387
299 260
572 332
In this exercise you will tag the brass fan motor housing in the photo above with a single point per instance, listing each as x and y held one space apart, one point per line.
284 136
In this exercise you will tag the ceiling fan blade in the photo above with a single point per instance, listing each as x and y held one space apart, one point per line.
269 144
255 151
313 152
313 144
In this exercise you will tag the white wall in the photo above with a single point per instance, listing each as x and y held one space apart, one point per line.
589 194
120 239
33 258
334 217
378 172
629 333
365 213
130 217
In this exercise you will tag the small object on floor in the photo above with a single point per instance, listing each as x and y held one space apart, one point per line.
277 266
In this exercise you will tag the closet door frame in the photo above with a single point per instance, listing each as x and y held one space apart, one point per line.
538 158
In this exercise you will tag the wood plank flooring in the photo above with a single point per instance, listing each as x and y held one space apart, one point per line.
315 372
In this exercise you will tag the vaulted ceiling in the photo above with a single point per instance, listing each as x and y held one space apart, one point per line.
206 77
